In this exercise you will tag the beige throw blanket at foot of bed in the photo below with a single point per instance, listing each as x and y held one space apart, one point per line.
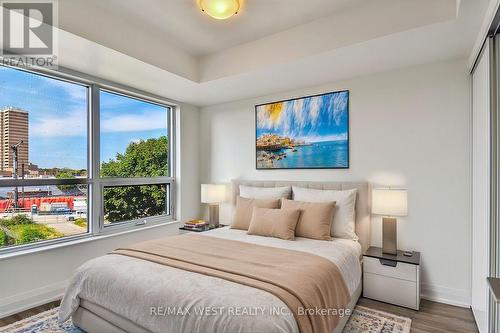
308 284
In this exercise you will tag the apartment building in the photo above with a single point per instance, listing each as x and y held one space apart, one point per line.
14 133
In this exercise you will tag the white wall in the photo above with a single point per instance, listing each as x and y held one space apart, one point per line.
188 162
33 279
410 128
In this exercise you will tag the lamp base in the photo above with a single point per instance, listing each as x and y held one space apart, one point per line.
213 219
390 235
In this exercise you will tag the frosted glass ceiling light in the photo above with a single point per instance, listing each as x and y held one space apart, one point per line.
220 9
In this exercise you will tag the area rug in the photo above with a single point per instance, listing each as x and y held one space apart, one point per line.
44 322
363 320
367 320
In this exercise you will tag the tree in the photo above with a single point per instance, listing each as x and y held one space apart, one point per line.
66 174
145 158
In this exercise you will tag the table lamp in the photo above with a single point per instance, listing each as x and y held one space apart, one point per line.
389 203
213 194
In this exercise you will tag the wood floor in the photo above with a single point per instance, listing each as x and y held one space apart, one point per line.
432 317
28 313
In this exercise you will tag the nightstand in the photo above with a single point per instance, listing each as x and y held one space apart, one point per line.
392 279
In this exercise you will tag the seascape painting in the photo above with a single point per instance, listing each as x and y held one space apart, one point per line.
305 133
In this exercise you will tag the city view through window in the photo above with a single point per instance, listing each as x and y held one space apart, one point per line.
44 135
133 144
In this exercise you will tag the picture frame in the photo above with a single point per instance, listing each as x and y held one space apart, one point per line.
309 132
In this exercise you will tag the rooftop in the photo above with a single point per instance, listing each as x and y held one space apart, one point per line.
12 108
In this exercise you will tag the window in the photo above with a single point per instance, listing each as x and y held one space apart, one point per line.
43 158
134 140
79 158
134 143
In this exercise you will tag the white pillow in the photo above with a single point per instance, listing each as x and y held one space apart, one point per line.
344 217
251 192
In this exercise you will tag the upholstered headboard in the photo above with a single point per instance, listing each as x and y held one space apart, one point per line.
362 200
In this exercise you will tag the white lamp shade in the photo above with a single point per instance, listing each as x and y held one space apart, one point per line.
390 202
213 193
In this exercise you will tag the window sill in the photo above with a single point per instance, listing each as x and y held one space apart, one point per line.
81 240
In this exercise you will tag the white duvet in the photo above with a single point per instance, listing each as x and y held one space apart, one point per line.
165 299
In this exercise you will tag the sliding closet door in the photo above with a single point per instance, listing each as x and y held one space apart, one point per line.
481 188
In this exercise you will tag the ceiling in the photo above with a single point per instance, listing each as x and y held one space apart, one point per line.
170 48
182 23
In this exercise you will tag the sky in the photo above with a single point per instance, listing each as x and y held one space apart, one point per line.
58 119
312 119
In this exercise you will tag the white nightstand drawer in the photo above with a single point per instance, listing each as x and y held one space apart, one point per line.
402 270
390 290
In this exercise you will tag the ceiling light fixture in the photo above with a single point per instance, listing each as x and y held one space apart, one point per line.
220 9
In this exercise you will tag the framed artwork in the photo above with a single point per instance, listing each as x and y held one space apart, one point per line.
304 133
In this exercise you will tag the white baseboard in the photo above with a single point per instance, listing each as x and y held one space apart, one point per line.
32 298
457 297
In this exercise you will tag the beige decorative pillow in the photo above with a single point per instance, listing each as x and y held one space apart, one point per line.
345 203
315 218
244 209
277 223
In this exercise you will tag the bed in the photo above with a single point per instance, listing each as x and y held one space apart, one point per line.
117 293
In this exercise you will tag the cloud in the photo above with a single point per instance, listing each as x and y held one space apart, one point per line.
130 122
263 119
73 123
298 111
75 91
306 117
314 109
323 138
339 106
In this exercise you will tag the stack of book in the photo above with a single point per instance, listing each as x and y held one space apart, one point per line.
197 225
